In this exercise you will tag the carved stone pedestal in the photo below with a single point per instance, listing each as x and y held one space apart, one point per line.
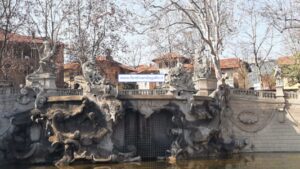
205 86
45 80
279 92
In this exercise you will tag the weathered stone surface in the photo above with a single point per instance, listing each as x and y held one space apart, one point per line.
35 133
86 125
249 118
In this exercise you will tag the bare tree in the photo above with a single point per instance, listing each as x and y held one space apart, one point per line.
47 18
211 19
94 26
13 14
284 16
259 37
134 57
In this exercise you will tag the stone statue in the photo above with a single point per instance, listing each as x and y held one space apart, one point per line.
278 72
179 81
112 109
97 83
46 63
201 67
221 94
44 76
24 98
91 74
278 75
174 151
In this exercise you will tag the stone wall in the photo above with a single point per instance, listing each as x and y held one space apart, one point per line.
264 122
267 124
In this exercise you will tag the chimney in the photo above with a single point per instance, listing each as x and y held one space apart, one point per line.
108 54
33 34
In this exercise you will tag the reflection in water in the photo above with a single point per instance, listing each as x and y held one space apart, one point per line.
248 161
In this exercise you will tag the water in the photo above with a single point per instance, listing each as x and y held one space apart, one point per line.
246 161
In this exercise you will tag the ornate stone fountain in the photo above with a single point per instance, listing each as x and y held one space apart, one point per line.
99 127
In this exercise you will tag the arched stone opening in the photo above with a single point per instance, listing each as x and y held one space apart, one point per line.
149 136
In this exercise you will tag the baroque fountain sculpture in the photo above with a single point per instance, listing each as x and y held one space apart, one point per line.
204 133
64 130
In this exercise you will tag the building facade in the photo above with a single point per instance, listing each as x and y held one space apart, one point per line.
170 60
267 80
147 69
236 71
20 57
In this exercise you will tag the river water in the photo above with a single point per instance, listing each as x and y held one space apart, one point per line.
245 161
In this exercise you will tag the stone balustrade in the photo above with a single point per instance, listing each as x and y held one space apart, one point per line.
254 93
143 92
235 92
7 91
63 92
291 95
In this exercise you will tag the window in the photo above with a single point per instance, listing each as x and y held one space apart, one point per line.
116 75
172 64
167 64
18 53
160 65
34 53
26 52
71 76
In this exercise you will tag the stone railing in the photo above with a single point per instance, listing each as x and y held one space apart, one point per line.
254 93
7 91
143 92
291 95
63 92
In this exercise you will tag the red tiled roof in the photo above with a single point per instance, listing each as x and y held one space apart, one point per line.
169 56
230 63
77 66
103 59
127 67
285 60
72 66
13 37
146 69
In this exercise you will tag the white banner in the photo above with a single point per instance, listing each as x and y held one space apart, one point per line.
141 78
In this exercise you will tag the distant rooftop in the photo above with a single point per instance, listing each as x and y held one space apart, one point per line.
13 37
100 60
285 60
169 56
146 69
230 63
72 66
105 59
